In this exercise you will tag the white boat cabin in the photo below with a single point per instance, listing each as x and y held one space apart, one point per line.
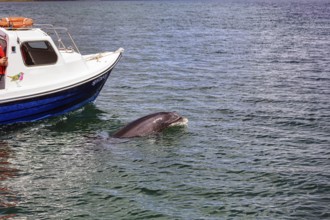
36 64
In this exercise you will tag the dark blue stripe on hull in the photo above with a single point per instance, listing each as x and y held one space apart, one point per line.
54 104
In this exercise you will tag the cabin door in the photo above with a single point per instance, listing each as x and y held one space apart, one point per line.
3 48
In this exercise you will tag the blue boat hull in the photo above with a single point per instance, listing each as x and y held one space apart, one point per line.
54 103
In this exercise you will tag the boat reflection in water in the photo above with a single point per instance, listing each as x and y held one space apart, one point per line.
9 199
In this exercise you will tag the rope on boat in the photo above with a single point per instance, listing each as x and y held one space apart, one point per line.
97 57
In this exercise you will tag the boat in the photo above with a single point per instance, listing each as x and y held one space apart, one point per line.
44 79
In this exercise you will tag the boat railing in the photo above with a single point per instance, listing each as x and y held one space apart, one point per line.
64 38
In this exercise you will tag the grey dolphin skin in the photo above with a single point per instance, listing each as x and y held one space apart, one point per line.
151 124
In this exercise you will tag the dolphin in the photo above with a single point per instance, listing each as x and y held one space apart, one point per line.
151 124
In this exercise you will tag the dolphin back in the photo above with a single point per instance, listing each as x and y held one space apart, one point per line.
143 126
146 125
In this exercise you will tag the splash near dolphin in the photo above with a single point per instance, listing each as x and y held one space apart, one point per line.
151 124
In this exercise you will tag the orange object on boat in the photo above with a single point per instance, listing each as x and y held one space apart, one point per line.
16 22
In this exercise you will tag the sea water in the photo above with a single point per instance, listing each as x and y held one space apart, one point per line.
252 77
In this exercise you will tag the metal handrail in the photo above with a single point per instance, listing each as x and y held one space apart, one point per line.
56 29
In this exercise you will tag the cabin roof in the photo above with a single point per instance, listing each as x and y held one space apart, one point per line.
30 34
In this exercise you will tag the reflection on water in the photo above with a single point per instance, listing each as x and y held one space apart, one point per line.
88 118
8 197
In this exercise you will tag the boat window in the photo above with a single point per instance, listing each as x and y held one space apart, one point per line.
38 53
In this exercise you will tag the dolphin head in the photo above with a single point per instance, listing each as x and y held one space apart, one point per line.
174 119
151 124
